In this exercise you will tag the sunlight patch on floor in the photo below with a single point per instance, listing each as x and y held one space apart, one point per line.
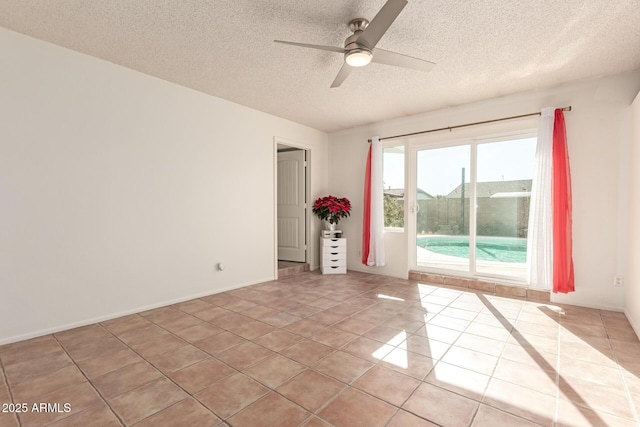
399 358
382 296
383 350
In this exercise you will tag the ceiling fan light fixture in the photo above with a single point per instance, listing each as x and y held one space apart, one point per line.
358 57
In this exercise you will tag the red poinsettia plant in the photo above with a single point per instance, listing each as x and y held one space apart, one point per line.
332 209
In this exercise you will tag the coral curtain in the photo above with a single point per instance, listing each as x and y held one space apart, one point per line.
373 217
550 240
366 218
563 279
540 238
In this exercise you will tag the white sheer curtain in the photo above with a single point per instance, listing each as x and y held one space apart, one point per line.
376 243
540 238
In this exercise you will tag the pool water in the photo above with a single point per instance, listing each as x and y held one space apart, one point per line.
499 249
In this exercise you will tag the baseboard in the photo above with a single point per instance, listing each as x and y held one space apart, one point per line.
85 322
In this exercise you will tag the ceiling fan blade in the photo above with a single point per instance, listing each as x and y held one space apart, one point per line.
342 75
386 57
314 46
381 23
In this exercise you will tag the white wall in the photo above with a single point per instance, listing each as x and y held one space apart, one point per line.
120 191
632 297
597 131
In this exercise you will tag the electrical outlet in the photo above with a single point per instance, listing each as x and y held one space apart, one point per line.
618 282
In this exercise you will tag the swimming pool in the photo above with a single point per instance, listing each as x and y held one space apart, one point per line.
499 249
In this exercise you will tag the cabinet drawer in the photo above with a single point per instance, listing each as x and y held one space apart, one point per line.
333 262
334 270
334 253
334 242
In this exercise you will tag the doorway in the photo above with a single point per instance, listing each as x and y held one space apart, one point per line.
291 208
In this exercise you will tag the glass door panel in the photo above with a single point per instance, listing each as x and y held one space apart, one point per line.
503 191
443 209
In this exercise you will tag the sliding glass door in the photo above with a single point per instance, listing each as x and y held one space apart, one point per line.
472 207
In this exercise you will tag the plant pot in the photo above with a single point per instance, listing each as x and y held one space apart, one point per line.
329 226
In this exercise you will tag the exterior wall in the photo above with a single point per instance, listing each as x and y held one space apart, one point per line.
121 192
598 131
506 217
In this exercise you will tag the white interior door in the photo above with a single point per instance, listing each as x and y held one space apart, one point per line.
291 206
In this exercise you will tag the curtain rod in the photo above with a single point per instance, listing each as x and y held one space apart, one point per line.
450 128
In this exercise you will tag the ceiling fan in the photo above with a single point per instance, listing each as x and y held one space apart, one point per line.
360 48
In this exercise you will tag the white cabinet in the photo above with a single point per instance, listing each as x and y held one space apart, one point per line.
333 254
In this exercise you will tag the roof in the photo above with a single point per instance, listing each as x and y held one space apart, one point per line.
398 193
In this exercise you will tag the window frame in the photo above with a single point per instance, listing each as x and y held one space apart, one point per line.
391 144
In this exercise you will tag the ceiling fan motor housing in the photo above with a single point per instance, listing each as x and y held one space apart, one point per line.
357 55
357 26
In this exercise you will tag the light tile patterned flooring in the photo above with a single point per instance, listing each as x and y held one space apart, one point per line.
351 350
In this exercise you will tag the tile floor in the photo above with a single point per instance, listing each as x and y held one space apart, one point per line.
352 350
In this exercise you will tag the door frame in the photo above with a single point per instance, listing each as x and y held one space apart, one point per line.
297 145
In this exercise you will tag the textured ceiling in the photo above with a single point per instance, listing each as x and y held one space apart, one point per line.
483 49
